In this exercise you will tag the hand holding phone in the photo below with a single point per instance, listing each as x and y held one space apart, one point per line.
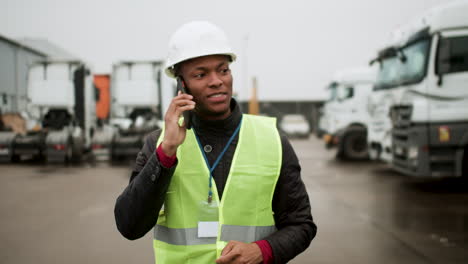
174 133
186 114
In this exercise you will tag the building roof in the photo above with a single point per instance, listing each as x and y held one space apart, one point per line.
53 51
23 46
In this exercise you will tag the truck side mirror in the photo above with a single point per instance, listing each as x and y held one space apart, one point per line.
350 92
439 79
402 56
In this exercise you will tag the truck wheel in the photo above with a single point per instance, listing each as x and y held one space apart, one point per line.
68 152
465 165
15 158
115 157
112 154
355 146
77 148
77 157
319 134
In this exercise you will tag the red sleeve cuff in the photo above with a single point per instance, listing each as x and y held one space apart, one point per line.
165 160
267 252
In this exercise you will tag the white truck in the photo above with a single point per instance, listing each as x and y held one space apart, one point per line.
386 92
136 109
60 112
430 121
345 115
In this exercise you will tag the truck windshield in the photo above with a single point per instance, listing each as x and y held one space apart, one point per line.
413 69
452 55
344 92
387 76
332 91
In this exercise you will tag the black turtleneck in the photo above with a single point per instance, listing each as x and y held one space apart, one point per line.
137 208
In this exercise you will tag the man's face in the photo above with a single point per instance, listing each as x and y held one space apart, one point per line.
209 80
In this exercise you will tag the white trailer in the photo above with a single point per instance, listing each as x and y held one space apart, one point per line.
345 116
136 108
61 112
430 121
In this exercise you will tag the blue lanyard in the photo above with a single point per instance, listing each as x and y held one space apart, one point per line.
215 164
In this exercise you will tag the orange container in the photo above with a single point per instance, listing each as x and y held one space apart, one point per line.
102 84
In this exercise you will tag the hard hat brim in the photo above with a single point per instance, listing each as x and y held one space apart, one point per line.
169 69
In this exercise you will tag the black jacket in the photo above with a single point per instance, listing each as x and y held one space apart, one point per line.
136 209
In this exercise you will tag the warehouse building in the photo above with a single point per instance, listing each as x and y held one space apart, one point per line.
15 58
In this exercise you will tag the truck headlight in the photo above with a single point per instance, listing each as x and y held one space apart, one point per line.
412 153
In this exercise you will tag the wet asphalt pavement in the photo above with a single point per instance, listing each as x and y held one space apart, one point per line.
365 213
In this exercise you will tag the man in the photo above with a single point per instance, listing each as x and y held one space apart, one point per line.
230 185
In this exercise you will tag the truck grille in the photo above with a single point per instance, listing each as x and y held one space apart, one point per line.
401 116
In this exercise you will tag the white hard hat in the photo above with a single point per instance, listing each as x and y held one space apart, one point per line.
196 39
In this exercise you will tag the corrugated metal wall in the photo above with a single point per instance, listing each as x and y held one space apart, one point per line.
14 63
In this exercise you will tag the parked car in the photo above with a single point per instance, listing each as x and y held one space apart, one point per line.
295 125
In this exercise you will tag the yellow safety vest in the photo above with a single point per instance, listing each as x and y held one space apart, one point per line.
245 211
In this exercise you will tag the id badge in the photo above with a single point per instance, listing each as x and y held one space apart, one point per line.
208 219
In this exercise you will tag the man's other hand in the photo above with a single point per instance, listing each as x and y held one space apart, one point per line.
237 252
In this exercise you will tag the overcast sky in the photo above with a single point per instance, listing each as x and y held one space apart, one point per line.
292 47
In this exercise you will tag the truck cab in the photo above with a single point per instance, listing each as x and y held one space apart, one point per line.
385 93
60 109
430 122
347 116
136 109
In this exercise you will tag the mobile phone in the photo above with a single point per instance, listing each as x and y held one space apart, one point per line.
186 114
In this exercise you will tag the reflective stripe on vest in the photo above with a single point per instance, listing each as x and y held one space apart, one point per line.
245 211
189 236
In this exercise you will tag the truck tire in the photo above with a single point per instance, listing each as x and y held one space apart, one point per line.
319 133
77 150
465 164
77 157
113 154
354 145
15 158
68 151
